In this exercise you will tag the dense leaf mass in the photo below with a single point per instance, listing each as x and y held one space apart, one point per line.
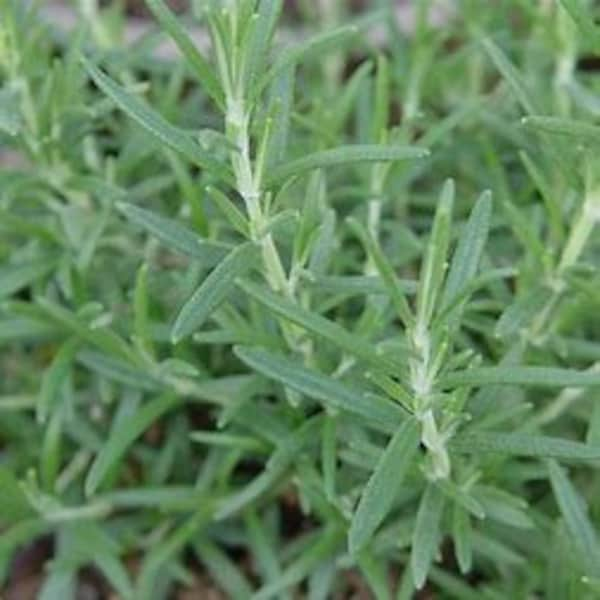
302 304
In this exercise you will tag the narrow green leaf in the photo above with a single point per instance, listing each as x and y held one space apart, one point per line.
11 119
194 59
262 547
212 438
174 235
549 194
386 271
237 220
276 468
334 394
51 450
310 217
329 458
347 101
406 587
522 311
324 545
27 329
54 378
160 554
15 277
570 128
103 338
393 389
376 574
281 102
12 224
574 510
528 376
520 89
155 124
60 583
434 264
585 21
213 290
187 183
520 223
383 485
592 436
17 402
141 323
461 535
323 248
358 285
314 46
462 497
267 15
426 535
521 444
453 586
320 326
171 497
115 571
14 504
382 99
119 372
503 507
124 435
344 155
488 278
223 570
467 256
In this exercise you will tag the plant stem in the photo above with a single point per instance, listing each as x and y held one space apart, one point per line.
422 374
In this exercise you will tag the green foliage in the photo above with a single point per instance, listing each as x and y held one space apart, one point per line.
312 303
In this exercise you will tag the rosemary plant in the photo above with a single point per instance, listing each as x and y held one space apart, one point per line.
306 310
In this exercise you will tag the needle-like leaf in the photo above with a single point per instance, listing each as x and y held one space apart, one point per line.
383 485
426 535
320 326
343 156
213 290
467 255
194 58
521 444
528 376
332 393
520 89
574 511
174 235
155 124
123 436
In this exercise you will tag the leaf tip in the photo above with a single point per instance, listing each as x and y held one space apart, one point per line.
486 196
419 575
176 334
91 483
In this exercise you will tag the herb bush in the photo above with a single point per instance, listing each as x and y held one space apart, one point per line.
311 314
